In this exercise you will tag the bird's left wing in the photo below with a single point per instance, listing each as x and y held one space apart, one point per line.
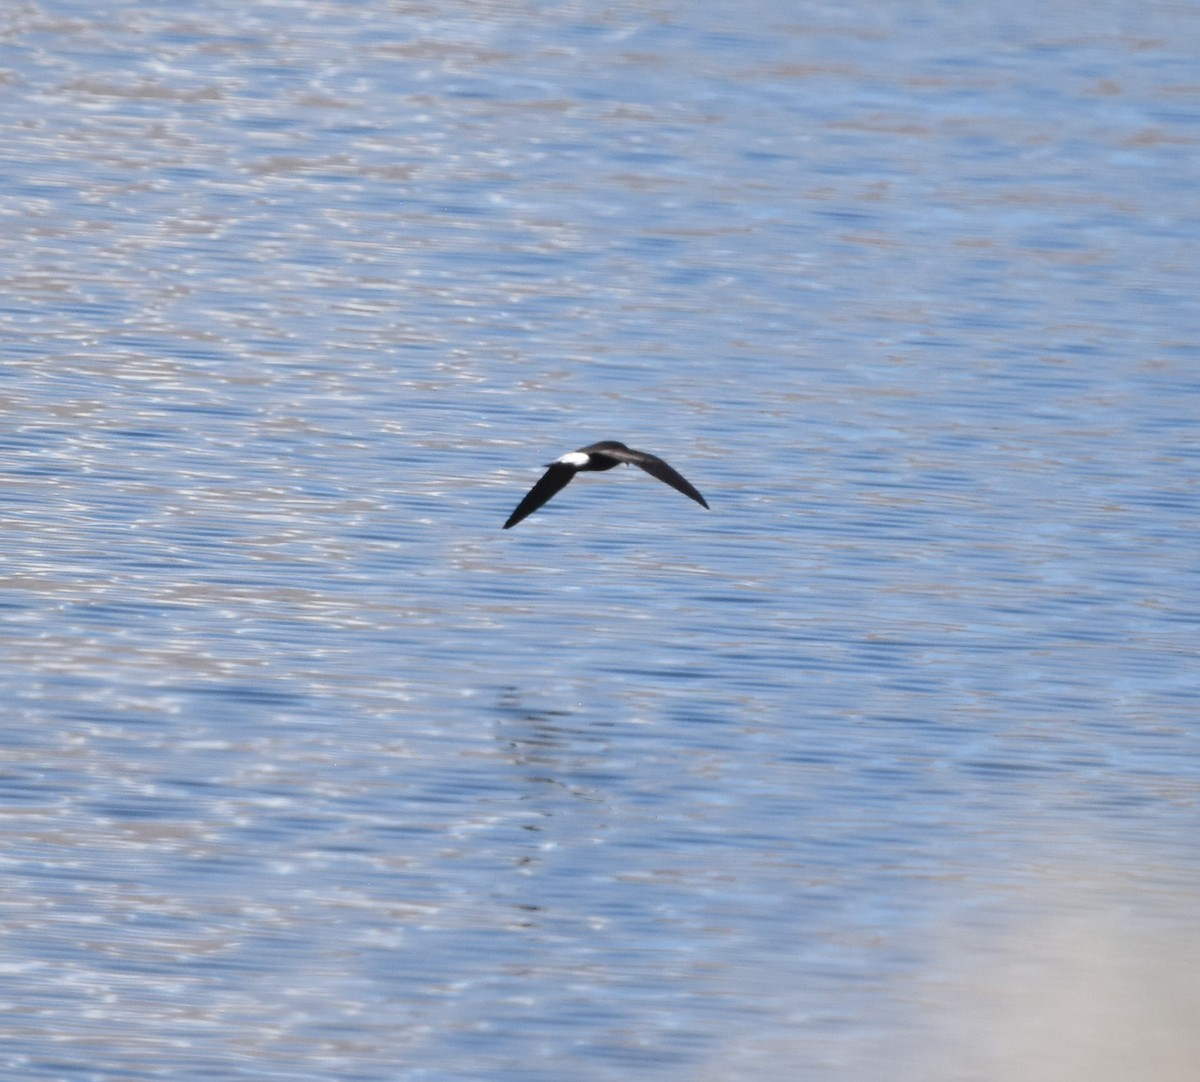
554 480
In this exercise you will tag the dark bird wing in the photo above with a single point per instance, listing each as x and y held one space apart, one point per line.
656 467
554 480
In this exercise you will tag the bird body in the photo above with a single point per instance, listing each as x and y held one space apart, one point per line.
595 457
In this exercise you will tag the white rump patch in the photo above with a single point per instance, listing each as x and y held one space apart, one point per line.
576 459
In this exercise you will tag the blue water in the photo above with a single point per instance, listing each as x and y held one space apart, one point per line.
887 767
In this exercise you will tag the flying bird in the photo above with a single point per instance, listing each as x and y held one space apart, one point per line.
598 456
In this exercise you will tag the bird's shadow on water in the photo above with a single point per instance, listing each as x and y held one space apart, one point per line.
548 746
564 803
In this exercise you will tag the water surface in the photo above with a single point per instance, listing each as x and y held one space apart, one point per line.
885 768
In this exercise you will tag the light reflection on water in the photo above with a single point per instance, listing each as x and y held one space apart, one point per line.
312 772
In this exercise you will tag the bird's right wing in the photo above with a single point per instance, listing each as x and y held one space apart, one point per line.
554 480
656 467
